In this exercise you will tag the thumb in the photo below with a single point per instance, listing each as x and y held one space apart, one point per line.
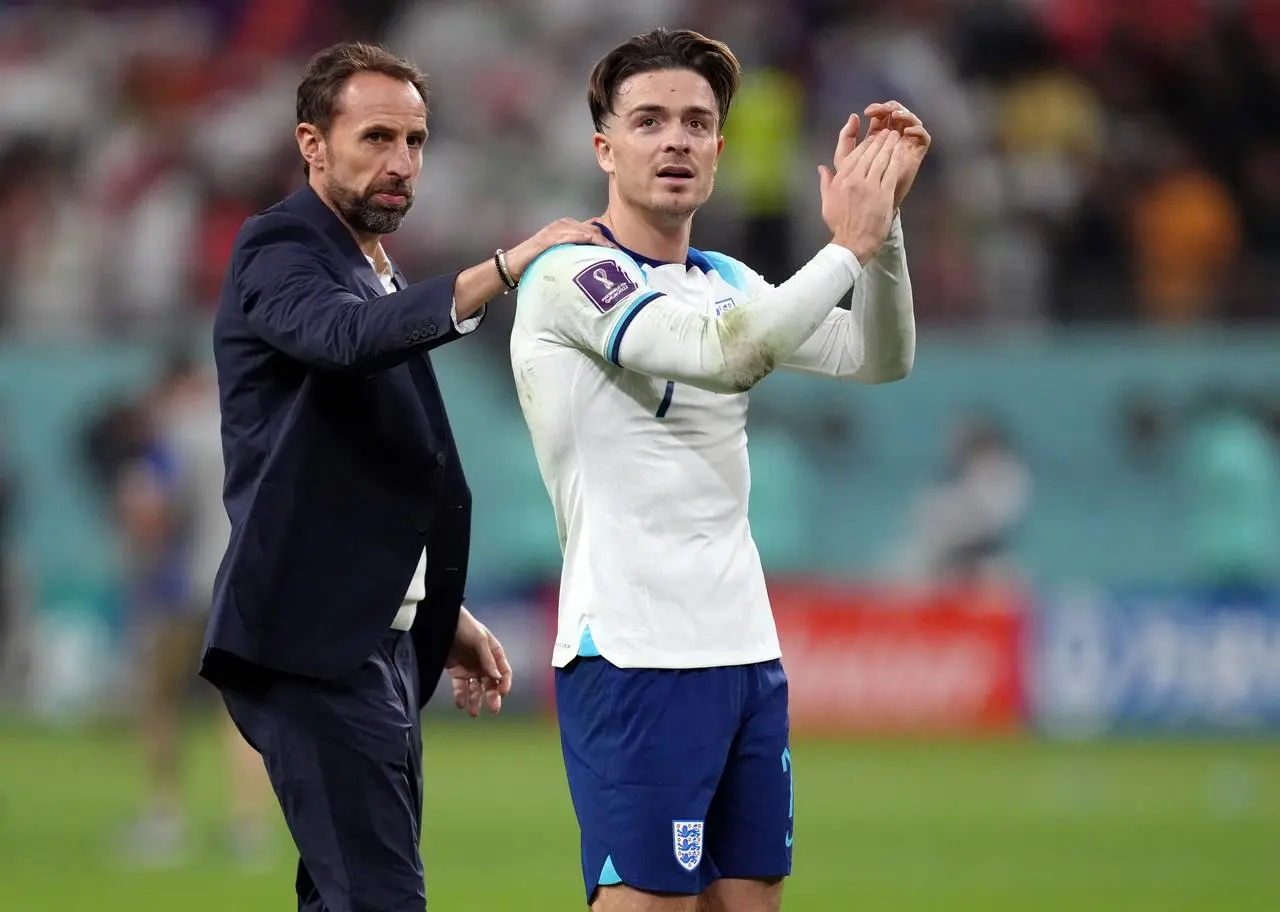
824 179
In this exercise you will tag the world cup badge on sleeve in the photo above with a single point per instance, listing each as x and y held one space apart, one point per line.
687 836
605 284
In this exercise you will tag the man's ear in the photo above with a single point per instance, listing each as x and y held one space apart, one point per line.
311 145
604 153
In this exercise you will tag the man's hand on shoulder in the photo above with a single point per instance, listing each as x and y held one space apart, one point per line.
475 286
477 667
561 231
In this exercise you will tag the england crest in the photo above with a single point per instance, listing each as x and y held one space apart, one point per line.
687 837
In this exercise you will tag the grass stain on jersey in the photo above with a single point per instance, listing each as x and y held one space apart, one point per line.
748 362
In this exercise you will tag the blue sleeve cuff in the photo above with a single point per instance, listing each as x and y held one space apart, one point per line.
614 343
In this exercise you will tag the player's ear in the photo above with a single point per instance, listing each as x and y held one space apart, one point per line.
719 149
604 153
311 145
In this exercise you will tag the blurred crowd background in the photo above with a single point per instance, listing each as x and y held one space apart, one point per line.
1093 161
1094 246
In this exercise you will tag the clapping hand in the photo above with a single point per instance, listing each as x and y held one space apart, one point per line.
893 115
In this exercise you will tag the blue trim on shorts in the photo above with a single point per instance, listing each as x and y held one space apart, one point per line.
608 874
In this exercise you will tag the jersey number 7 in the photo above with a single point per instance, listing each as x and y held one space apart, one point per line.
666 399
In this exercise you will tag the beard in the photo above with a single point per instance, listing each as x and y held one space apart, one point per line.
365 214
672 208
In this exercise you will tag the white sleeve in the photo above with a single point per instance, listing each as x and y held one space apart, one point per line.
597 299
470 324
875 340
583 297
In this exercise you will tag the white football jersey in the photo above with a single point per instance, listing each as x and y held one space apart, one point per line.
631 376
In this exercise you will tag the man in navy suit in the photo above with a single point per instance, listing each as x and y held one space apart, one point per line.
338 602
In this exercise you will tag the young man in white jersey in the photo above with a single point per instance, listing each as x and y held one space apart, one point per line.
632 366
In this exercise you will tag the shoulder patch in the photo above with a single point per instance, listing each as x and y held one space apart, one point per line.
605 284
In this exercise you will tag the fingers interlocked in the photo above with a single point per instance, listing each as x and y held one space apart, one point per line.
871 159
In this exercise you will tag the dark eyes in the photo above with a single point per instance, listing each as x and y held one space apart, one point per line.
378 136
696 123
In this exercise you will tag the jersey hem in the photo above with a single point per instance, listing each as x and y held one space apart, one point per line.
561 658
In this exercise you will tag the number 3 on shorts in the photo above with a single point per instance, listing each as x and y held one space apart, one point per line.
791 806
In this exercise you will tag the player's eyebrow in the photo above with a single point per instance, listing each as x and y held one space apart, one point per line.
692 110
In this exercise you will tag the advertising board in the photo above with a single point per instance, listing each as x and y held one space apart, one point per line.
1103 660
878 660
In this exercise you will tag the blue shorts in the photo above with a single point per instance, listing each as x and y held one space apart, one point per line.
678 777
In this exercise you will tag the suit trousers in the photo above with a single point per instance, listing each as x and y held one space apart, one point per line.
345 760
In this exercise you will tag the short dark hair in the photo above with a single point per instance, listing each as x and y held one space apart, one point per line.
328 71
664 49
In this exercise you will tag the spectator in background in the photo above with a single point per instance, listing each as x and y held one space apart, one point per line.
112 438
1260 275
1230 471
765 134
1046 111
1186 232
1092 259
961 529
169 505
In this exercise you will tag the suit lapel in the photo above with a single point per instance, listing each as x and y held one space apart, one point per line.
415 381
305 203
369 279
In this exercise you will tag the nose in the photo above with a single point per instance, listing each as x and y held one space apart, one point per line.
400 164
677 140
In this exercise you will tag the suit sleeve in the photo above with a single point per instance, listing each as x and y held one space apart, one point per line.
597 300
294 301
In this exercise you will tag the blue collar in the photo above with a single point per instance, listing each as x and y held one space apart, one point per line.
695 258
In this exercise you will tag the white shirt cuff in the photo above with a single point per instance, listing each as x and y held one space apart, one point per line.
470 323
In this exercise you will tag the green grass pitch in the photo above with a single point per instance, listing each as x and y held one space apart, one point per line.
881 825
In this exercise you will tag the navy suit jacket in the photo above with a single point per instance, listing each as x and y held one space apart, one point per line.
340 464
